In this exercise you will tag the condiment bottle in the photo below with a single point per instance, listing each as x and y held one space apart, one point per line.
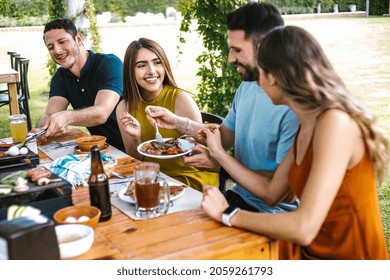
99 191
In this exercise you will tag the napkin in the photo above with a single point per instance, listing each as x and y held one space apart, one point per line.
75 169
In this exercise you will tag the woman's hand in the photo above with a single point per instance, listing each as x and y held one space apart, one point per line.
213 203
131 125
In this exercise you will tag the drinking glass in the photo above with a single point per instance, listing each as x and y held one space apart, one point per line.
151 191
18 127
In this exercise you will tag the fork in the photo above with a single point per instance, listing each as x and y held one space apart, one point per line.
120 176
158 135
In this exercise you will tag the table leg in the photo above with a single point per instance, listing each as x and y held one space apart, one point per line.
13 99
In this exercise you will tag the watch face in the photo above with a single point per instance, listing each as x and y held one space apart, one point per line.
229 210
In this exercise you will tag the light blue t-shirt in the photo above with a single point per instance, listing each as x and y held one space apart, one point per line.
263 135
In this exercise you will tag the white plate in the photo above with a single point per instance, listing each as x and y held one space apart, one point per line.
185 145
129 199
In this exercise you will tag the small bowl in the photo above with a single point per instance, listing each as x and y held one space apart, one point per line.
85 143
74 240
77 215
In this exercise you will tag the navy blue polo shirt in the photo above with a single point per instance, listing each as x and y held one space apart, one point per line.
101 71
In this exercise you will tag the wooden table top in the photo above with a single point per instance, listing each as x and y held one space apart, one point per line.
8 75
11 78
186 235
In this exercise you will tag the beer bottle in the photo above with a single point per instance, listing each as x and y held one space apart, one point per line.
99 191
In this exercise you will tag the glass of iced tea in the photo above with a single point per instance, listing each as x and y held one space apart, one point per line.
151 191
18 127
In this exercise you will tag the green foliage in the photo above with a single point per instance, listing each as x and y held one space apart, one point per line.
25 21
326 6
57 9
378 7
23 8
4 8
219 79
89 13
130 8
294 6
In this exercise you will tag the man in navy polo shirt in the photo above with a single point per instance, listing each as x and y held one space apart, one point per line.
90 82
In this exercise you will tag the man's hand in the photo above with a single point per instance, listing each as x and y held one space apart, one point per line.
56 124
200 158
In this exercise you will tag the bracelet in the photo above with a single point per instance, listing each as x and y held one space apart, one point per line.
186 126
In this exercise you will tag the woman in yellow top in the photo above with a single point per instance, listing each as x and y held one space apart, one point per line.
148 80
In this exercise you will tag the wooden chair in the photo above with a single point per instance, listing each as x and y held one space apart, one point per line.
13 56
213 118
21 65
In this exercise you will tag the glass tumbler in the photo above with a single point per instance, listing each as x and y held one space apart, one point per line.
18 127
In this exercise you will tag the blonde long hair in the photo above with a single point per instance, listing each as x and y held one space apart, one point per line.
306 76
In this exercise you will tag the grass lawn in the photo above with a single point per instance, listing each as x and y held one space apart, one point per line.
359 49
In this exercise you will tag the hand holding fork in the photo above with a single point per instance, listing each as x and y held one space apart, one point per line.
159 138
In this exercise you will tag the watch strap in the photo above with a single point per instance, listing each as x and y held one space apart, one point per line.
228 214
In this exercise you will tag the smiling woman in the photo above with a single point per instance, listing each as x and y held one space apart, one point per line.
149 81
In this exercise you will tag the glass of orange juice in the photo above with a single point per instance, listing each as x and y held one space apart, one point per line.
18 127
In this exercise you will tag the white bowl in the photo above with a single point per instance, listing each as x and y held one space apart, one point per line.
74 239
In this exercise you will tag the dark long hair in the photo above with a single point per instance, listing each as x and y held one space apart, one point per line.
131 91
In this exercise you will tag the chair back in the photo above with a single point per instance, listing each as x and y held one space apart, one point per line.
22 65
211 118
13 56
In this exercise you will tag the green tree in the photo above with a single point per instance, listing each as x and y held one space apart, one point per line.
5 8
219 78
89 13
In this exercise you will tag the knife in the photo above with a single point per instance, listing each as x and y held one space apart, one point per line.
32 136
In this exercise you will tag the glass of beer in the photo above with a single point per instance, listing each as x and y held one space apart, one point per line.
151 191
18 127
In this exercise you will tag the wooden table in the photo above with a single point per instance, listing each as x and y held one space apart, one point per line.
183 235
11 78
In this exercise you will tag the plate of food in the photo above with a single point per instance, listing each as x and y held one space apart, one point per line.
128 194
171 148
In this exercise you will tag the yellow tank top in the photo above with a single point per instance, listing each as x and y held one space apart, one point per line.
173 167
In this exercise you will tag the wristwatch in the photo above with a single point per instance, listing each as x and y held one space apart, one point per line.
228 213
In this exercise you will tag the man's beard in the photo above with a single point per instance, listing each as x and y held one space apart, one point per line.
250 74
74 54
